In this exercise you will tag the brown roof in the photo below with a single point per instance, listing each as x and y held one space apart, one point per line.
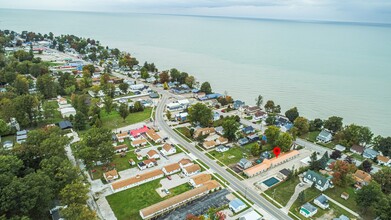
209 144
192 168
184 161
383 158
259 113
138 142
222 139
151 153
149 161
357 148
171 167
122 135
361 175
120 146
201 178
202 131
110 174
136 179
152 134
212 184
167 147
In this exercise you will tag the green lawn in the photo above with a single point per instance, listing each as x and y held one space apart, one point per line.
233 155
185 132
182 135
126 204
310 195
114 120
335 193
311 136
283 191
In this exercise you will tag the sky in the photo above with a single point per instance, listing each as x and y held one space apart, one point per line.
377 11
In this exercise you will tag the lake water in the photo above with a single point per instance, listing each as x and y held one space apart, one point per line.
322 68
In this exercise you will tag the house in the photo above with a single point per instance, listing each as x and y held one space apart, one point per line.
139 157
253 215
137 132
245 164
203 132
110 175
361 178
357 149
308 210
251 109
65 125
185 163
182 116
122 136
153 154
131 162
120 148
237 104
283 174
21 138
167 149
382 160
259 115
136 180
62 101
153 95
328 164
8 145
171 169
243 141
219 130
209 144
321 182
139 143
324 136
248 130
222 140
216 116
270 163
147 164
340 148
341 217
153 211
153 136
253 138
237 205
345 195
191 170
222 148
200 179
68 111
370 153
322 202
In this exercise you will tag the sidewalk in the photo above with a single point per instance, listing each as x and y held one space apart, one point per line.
298 189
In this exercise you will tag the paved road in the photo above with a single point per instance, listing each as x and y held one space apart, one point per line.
234 182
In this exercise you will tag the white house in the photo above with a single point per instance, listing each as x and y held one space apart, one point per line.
66 112
382 160
308 210
167 149
120 148
110 175
222 148
171 169
324 136
153 154
191 170
185 163
321 182
322 202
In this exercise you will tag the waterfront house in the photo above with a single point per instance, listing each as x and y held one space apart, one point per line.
153 136
245 164
382 160
136 180
185 163
191 170
370 153
153 154
243 141
167 149
200 179
361 178
237 104
340 148
171 169
357 149
324 136
322 202
222 148
259 115
204 132
321 182
237 205
250 110
110 175
308 210
120 148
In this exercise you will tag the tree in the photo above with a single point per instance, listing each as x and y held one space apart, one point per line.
316 124
383 177
137 107
292 114
165 86
10 165
354 134
205 87
190 81
74 193
383 144
349 159
49 109
272 133
269 106
284 141
25 108
336 154
271 119
144 73
302 125
342 171
200 114
123 111
124 87
168 115
333 124
256 150
366 166
368 195
164 77
301 197
22 55
230 127
108 104
259 101
79 121
78 212
313 161
47 86
4 128
175 74
383 208
21 85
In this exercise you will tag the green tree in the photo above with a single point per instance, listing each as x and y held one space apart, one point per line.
270 106
80 121
21 85
22 55
230 126
292 114
78 212
383 207
368 195
333 124
302 125
301 197
25 109
200 114
205 87
271 119
383 177
259 101
124 87
284 141
168 115
256 150
49 109
272 133
4 128
190 81
108 104
123 111
144 73
175 74
137 107
383 144
10 165
316 124
47 86
366 166
74 193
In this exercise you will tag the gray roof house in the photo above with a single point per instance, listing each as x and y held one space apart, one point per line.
370 153
322 201
219 130
324 136
340 148
321 182
308 210
244 163
357 149
342 217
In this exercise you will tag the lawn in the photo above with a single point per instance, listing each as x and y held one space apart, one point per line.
114 120
335 193
310 195
184 131
126 204
233 155
311 136
283 191
182 135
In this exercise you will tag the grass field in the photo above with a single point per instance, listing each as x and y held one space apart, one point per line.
185 132
114 120
126 204
310 195
178 131
233 155
311 136
283 191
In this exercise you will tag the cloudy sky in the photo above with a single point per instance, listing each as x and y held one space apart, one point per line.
335 10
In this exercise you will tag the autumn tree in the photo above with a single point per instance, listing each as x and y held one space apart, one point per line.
164 77
342 172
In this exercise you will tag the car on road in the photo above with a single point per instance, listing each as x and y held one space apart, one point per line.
169 177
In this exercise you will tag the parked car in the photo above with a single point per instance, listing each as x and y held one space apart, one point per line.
169 177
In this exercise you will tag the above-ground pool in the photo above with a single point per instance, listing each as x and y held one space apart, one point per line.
271 181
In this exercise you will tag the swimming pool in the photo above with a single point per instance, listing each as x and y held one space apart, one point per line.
271 181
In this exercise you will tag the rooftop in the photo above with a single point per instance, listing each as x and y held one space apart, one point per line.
136 179
201 178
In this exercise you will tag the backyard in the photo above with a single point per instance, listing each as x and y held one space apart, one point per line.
311 136
310 195
233 155
283 191
126 204
114 120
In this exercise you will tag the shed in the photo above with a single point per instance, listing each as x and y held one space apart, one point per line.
65 125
